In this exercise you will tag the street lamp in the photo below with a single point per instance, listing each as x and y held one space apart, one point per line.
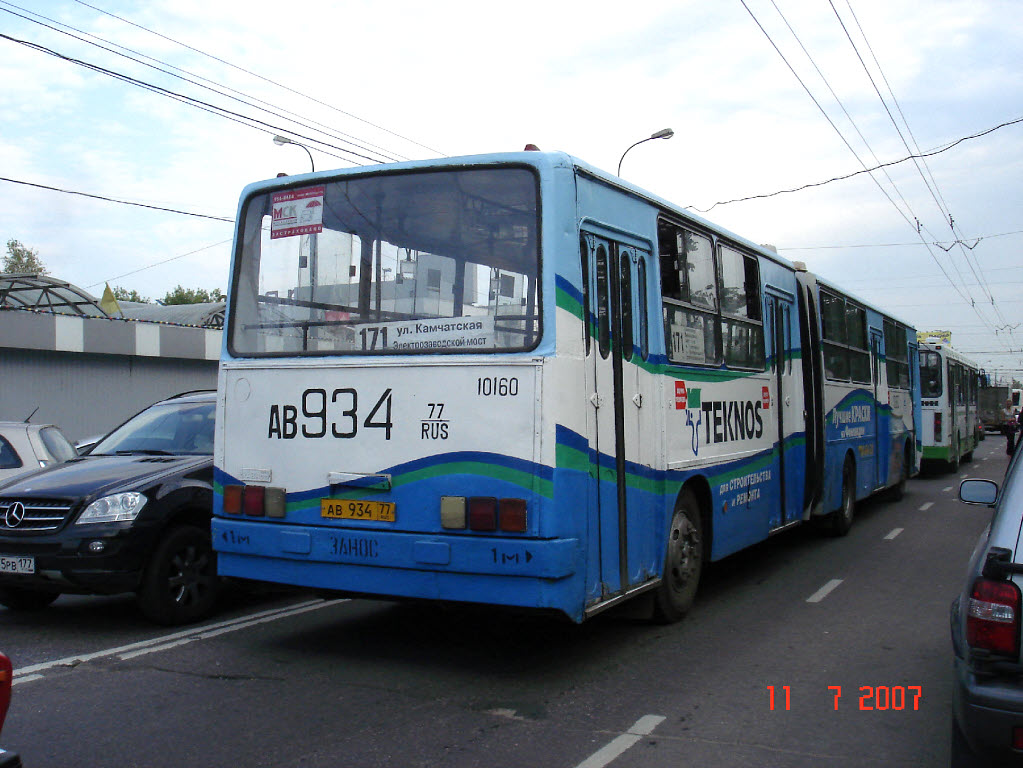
664 133
282 140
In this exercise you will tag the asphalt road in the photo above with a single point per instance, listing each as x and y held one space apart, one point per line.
847 637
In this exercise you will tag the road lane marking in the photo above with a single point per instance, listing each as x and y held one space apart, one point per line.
895 532
603 756
165 642
963 476
946 490
824 591
926 506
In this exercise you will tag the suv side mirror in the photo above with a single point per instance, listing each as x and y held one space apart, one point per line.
978 492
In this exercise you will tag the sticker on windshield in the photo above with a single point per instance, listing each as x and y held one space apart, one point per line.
297 212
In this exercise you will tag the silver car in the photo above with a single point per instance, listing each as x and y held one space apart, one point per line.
988 689
25 447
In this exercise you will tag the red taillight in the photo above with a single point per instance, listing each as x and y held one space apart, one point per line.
1017 738
6 679
233 499
992 617
483 513
512 515
937 427
252 500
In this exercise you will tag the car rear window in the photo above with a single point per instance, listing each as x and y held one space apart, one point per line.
9 458
58 445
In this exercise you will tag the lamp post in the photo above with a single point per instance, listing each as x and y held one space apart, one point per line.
664 133
282 140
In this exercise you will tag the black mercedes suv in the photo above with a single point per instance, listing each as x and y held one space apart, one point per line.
131 516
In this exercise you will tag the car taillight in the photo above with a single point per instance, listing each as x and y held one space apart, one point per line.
6 680
937 427
992 617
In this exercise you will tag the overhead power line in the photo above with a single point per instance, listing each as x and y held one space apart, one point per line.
257 76
194 79
236 117
811 185
115 200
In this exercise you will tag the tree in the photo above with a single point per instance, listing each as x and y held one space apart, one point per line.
21 260
123 294
192 296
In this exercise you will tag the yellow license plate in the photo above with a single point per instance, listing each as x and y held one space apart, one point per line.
357 509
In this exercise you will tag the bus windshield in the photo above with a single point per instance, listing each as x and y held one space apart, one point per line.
930 374
418 262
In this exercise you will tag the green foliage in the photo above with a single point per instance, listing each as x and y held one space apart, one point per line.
21 260
192 296
123 294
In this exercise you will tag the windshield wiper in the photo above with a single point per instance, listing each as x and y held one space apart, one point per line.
145 451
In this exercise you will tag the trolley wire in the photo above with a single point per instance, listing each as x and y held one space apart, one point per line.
258 76
194 79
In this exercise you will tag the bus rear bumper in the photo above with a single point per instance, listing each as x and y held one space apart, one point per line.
531 573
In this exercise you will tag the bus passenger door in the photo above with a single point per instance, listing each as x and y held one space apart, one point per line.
876 469
788 411
610 311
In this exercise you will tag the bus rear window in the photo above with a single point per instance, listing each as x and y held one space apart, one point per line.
437 261
930 374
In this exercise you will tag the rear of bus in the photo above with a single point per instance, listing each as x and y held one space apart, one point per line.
934 398
381 387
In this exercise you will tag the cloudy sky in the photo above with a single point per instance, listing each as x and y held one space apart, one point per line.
173 105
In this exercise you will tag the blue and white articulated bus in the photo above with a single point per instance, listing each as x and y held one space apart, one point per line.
517 380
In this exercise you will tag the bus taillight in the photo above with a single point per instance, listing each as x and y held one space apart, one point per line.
255 501
511 515
252 500
937 426
452 513
233 499
483 513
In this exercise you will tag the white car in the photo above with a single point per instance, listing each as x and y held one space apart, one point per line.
27 447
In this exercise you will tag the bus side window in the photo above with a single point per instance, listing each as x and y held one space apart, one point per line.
625 288
584 253
603 303
691 333
742 333
644 340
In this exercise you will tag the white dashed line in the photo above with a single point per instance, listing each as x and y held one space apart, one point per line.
824 591
946 490
603 756
926 506
895 532
29 673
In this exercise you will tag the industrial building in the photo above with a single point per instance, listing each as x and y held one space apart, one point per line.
65 361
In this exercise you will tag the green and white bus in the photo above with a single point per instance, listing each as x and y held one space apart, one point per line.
949 396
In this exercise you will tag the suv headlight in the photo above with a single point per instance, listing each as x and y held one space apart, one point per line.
118 508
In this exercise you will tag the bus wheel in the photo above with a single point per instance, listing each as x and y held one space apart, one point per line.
683 562
840 521
953 461
898 491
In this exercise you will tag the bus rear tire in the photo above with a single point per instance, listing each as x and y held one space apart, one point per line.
898 491
841 520
953 462
683 562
